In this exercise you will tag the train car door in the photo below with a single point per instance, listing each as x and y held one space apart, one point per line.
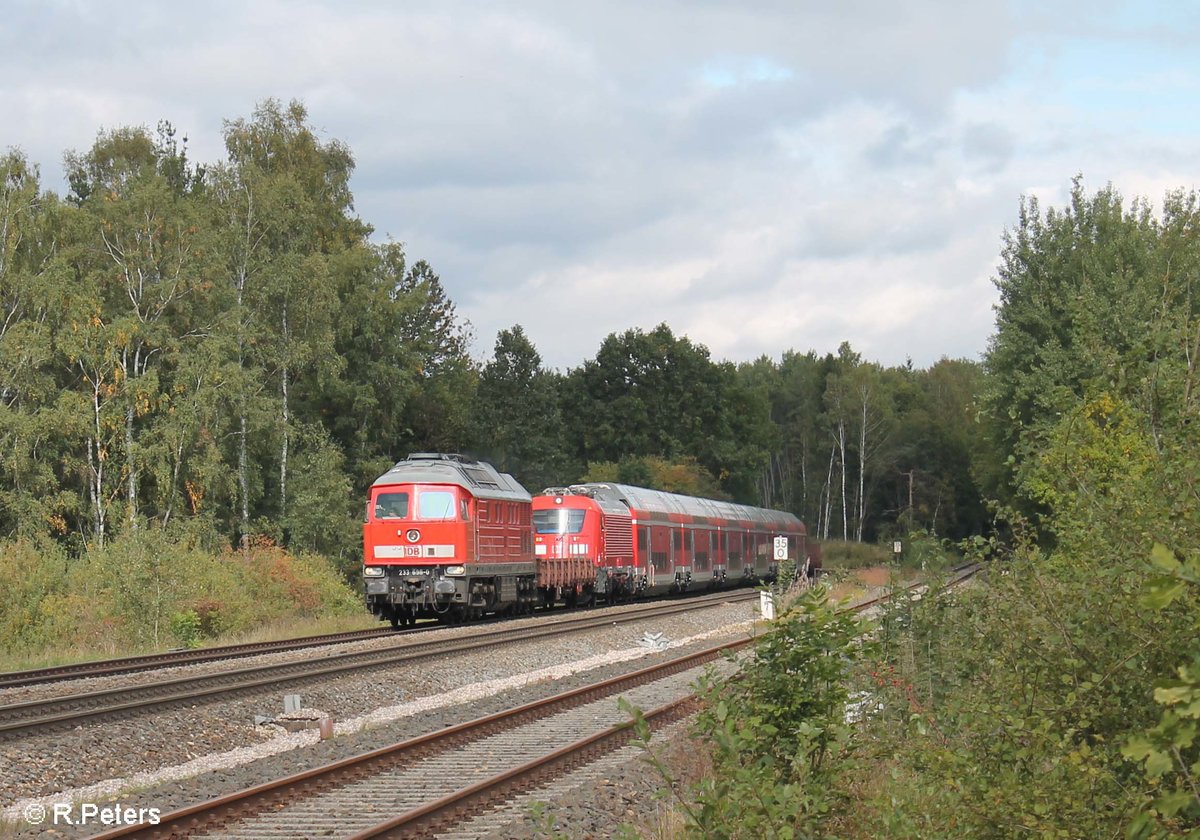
720 552
641 561
660 552
702 555
684 551
761 554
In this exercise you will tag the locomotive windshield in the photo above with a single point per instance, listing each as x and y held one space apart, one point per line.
391 506
558 521
436 504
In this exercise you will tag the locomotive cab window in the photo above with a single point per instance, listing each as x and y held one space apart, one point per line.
436 504
558 521
391 506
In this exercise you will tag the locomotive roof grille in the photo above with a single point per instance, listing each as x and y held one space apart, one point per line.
479 477
440 456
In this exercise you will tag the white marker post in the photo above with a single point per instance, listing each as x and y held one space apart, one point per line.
766 604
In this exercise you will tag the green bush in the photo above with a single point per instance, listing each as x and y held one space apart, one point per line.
778 732
33 580
186 627
1053 698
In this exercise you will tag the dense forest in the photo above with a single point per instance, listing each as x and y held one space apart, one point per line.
222 349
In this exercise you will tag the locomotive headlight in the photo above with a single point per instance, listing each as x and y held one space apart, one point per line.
372 571
456 570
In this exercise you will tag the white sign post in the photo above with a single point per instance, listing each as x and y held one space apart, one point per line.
781 548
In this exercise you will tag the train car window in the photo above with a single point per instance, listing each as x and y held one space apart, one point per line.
558 521
391 506
435 504
643 539
464 510
689 541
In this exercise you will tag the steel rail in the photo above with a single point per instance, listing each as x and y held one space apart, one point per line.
240 804
20 719
440 815
173 658
170 658
421 821
426 820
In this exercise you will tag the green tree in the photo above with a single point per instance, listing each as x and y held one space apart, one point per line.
139 257
39 423
655 394
288 207
365 409
518 424
777 735
438 415
1093 297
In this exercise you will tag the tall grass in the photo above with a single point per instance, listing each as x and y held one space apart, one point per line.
149 591
843 555
918 551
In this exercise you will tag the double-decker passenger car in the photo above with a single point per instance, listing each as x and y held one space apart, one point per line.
447 537
641 540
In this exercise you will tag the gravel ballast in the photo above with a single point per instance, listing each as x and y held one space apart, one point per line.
182 756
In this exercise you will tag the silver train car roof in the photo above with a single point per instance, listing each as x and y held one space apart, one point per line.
662 502
478 478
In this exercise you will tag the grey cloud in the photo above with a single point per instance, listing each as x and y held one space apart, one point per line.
714 152
899 147
990 146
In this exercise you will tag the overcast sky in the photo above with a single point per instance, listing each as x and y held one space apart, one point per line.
762 176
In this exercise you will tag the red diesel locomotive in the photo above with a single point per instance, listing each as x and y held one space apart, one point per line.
649 541
449 537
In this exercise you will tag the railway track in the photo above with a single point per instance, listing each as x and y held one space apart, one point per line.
70 710
176 658
361 794
433 783
171 658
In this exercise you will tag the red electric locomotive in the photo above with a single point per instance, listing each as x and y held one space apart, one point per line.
647 541
447 537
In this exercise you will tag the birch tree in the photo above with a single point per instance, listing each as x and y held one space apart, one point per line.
140 250
287 205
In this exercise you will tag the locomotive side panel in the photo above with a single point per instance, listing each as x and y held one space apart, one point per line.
448 537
